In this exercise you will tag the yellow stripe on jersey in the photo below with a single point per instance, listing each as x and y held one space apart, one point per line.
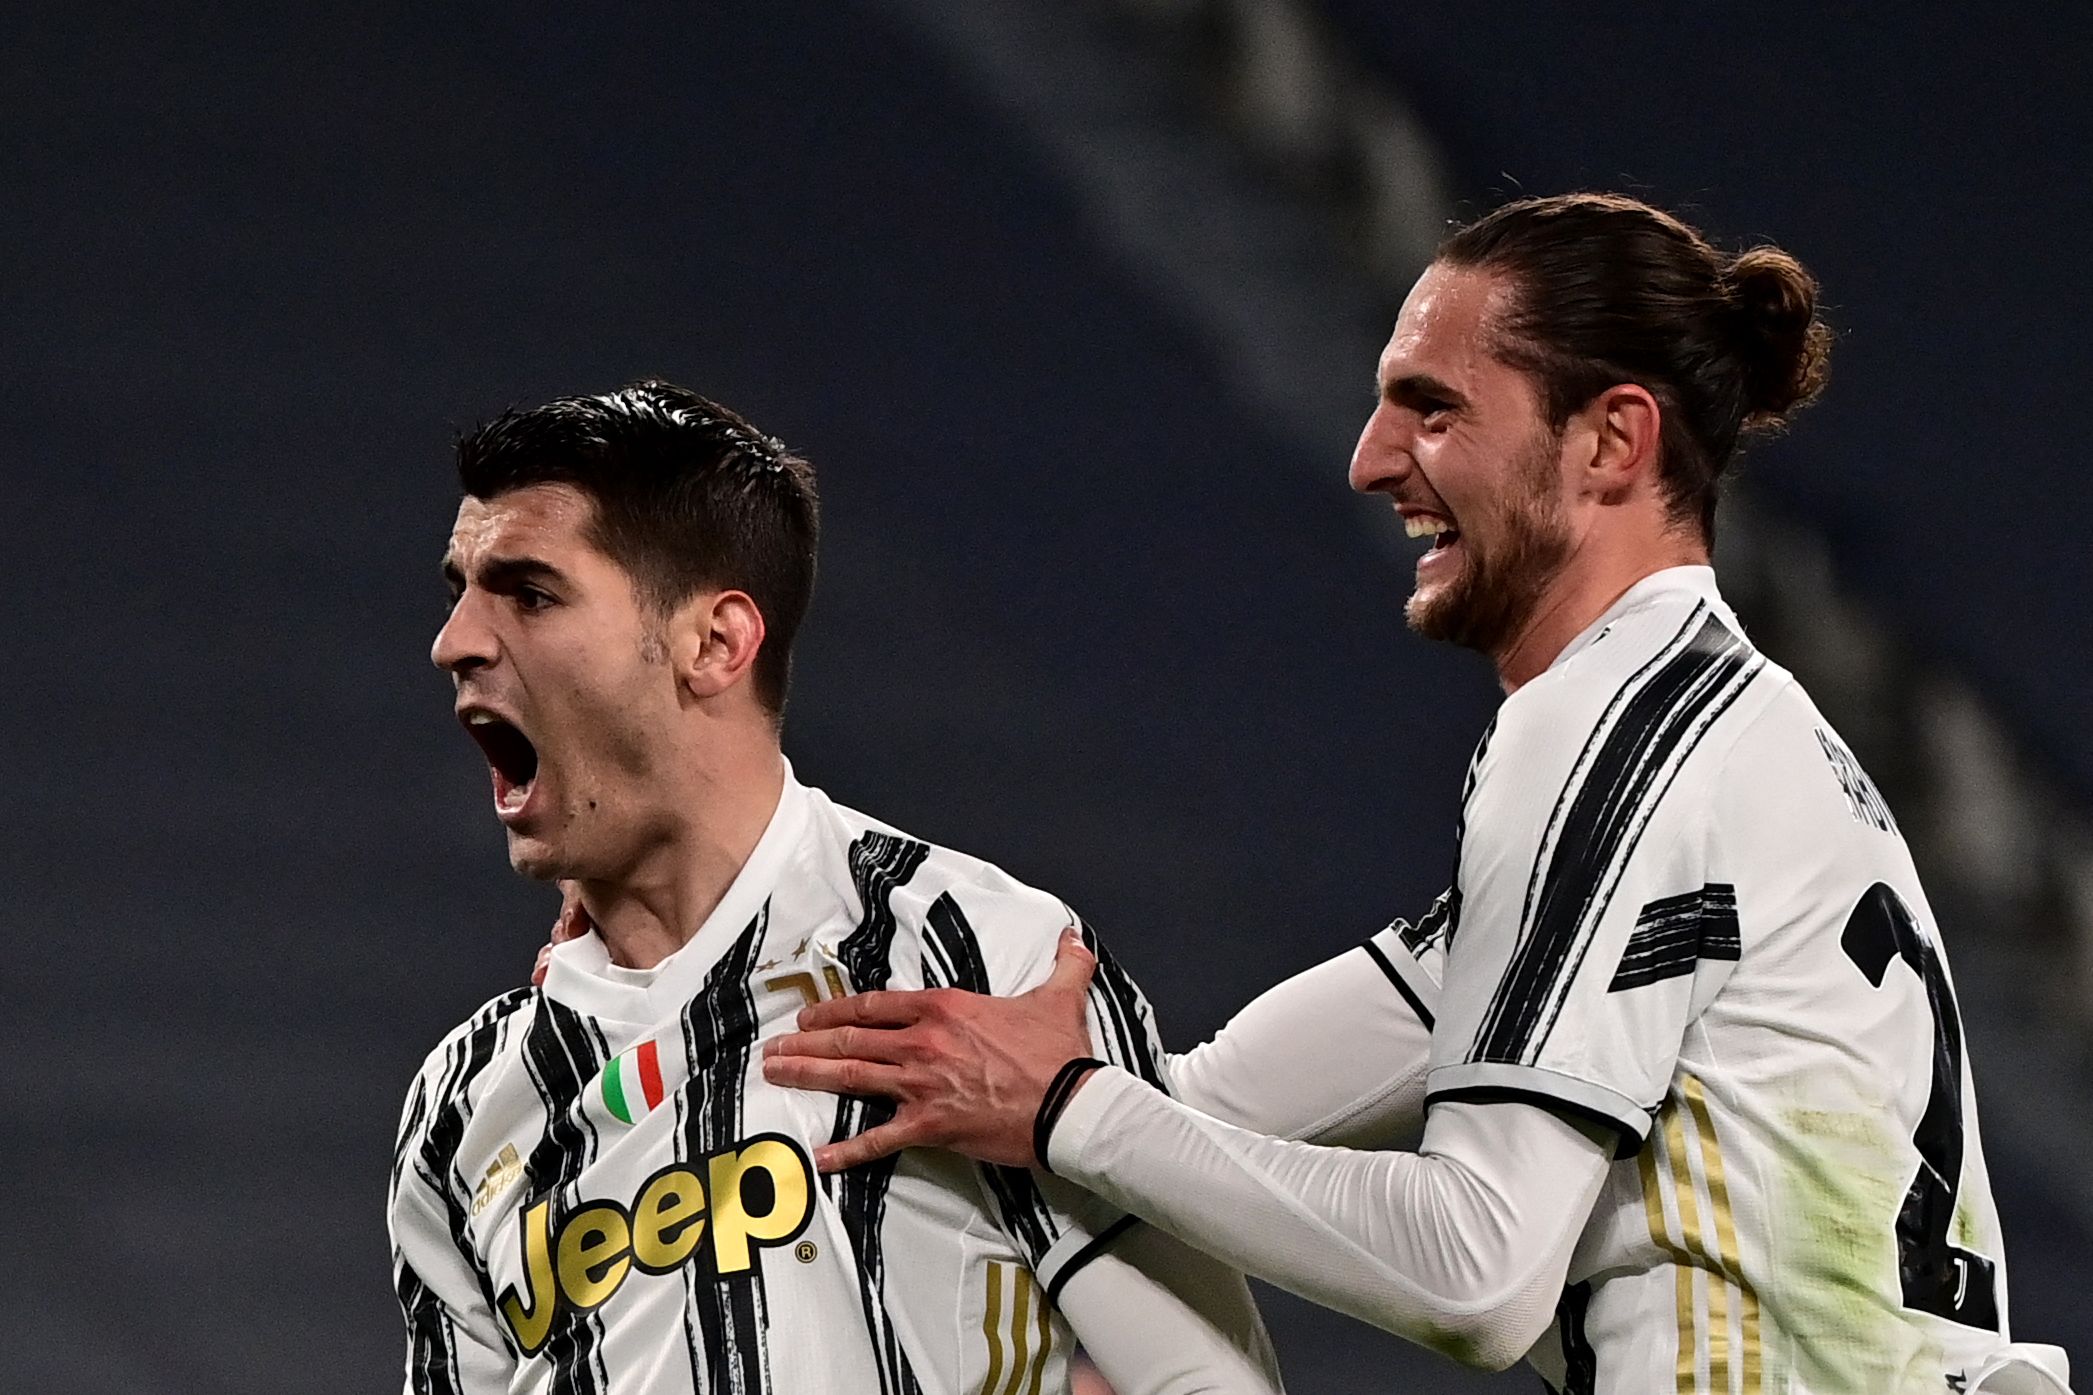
1730 1258
1718 1265
1045 1319
991 1330
1696 1244
1025 1341
1653 1189
1020 1314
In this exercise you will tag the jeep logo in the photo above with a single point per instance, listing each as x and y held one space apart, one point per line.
598 1246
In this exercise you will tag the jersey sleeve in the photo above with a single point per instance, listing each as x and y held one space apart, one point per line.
1591 926
454 1346
993 934
1157 1316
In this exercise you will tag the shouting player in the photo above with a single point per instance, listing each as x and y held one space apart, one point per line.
594 1190
1681 1038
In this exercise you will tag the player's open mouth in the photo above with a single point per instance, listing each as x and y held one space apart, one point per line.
510 756
1430 525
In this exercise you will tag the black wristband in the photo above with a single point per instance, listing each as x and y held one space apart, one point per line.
1058 1093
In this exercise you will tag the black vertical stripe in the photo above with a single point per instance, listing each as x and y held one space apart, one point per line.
450 1107
562 1056
410 1125
1580 1362
1444 930
432 1352
1601 824
1123 1013
726 1319
951 940
879 862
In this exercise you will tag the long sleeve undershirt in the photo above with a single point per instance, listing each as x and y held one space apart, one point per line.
1461 1246
1336 1054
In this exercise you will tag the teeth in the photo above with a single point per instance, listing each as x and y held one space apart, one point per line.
1423 525
480 719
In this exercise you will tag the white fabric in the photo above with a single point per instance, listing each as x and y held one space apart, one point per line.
2024 1368
1206 1339
1461 1247
585 1097
1279 1068
1683 909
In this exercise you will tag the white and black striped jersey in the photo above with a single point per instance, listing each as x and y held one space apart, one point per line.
594 1189
1682 909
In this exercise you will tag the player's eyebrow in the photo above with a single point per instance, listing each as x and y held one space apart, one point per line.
1412 389
504 574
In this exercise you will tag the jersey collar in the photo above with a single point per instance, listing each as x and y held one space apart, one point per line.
582 976
1697 582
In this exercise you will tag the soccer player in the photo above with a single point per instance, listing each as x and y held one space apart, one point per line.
1681 1038
594 1190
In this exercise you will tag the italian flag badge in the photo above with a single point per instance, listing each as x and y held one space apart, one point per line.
632 1082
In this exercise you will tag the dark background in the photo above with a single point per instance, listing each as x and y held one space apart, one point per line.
1080 611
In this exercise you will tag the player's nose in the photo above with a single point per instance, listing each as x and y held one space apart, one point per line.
465 642
1381 458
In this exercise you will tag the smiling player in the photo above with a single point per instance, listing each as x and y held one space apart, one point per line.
1693 1081
593 1189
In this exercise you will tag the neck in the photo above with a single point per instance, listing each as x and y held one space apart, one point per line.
649 911
1579 595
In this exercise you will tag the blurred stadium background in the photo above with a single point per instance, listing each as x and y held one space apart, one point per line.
1075 307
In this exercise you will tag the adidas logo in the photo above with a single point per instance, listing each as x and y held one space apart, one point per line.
501 1175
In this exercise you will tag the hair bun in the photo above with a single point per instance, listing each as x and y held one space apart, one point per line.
1785 348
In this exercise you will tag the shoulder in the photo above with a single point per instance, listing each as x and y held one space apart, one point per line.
1667 681
456 1063
978 926
1790 768
982 928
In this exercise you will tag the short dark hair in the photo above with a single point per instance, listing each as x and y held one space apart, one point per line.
1608 290
688 495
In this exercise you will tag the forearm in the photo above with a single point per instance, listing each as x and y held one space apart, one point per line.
1336 1054
1461 1247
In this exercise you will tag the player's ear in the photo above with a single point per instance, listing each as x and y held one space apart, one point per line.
716 638
1625 425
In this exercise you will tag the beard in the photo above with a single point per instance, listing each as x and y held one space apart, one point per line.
1487 604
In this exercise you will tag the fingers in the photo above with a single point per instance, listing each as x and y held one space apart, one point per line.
838 1077
1074 965
885 1008
872 1144
893 1046
544 963
574 919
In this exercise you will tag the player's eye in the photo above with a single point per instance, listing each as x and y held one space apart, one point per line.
531 598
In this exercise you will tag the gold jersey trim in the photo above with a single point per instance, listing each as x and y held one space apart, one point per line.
1708 1275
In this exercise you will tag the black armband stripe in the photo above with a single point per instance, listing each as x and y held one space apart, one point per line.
1674 933
1424 1014
1631 1135
1104 1241
1059 1091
